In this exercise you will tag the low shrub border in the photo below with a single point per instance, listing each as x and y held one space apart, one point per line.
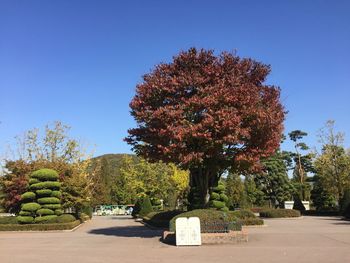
279 213
40 227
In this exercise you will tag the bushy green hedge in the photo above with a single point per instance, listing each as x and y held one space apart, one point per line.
31 207
44 212
46 219
65 218
28 196
45 175
161 219
52 206
39 227
25 219
44 192
49 200
280 213
45 185
207 218
8 220
251 221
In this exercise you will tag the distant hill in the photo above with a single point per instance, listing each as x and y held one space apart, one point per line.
112 161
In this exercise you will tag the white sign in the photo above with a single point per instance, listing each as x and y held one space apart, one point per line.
306 205
288 204
188 231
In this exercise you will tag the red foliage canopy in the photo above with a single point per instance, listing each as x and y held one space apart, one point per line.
203 110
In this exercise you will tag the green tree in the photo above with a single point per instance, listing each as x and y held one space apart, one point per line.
332 165
234 190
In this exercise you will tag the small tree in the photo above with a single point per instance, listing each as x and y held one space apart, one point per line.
146 207
207 114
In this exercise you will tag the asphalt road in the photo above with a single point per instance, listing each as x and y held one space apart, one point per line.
120 239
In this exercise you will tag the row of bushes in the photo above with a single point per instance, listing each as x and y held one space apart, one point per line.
279 213
208 218
40 227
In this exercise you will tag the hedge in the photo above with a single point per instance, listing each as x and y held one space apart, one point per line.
207 218
243 214
46 219
49 200
45 211
8 220
31 207
28 196
280 213
44 192
25 219
39 227
45 175
45 185
65 218
161 219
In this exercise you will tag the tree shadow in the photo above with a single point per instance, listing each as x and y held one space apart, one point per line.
127 231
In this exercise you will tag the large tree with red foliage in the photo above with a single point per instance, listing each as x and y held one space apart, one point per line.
207 113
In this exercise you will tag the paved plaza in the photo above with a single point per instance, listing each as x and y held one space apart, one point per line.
121 239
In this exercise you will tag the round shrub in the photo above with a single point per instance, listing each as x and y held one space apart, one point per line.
219 188
44 192
45 219
45 175
44 212
31 207
25 219
45 185
49 200
57 194
209 218
33 181
84 217
28 196
65 218
52 206
224 197
58 212
280 213
25 213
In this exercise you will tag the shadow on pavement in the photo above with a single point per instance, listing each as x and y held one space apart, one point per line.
127 231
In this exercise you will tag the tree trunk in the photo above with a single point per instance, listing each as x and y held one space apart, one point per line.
201 181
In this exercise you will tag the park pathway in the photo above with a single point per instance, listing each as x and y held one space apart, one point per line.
121 239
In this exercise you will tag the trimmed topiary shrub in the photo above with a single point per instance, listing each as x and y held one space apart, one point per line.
137 208
57 194
280 213
44 192
58 212
31 207
8 220
44 212
49 200
25 219
242 214
161 219
52 206
33 181
146 207
28 196
46 219
347 212
25 213
218 198
45 175
345 202
65 218
39 227
46 185
298 205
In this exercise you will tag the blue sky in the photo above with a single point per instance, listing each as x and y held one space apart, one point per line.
79 61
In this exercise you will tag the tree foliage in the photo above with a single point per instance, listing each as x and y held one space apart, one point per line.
206 113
